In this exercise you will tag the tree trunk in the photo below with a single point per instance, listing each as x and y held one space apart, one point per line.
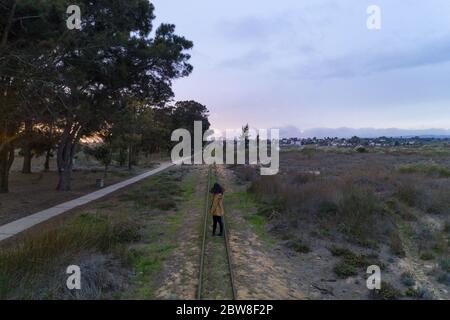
47 160
130 157
64 183
49 150
26 168
6 161
66 151
105 172
8 25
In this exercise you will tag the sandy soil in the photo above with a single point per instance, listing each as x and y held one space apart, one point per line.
180 276
260 273
30 193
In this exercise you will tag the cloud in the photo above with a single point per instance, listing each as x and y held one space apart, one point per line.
252 28
249 60
369 62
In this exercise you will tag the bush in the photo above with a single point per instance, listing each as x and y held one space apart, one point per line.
339 251
328 208
245 173
344 270
357 213
387 292
298 246
445 265
361 149
444 278
427 256
407 278
22 264
428 168
419 293
396 245
408 193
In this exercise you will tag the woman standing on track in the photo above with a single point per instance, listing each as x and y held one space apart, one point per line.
216 209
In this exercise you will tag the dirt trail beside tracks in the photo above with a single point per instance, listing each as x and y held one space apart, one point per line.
180 276
260 273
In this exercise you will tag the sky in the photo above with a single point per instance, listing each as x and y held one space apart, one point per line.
314 63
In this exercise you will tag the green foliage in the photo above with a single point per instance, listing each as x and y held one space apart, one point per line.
387 292
351 262
396 245
159 193
428 168
339 251
357 211
407 278
101 153
419 293
427 256
344 270
360 149
298 246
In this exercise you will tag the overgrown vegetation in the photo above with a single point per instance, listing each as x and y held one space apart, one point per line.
388 204
428 168
25 267
109 243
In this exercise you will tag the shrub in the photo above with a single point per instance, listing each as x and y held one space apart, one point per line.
339 251
357 213
396 245
407 278
444 278
302 178
328 208
387 292
344 270
298 246
445 265
22 264
428 168
446 227
361 149
408 193
245 173
427 256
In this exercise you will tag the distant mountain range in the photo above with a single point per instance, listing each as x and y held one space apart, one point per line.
344 132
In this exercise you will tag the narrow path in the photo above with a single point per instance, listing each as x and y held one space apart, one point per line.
180 276
217 277
13 228
260 272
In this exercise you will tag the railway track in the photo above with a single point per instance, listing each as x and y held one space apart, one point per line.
205 239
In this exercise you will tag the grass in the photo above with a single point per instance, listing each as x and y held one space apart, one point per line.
351 263
160 192
387 292
161 234
427 168
427 256
22 266
377 200
407 279
258 224
109 243
298 246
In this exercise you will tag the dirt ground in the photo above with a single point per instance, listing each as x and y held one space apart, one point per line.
180 274
260 273
30 193
311 274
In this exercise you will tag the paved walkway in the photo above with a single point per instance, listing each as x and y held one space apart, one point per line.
18 226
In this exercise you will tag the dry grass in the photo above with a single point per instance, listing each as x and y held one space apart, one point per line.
359 196
40 257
